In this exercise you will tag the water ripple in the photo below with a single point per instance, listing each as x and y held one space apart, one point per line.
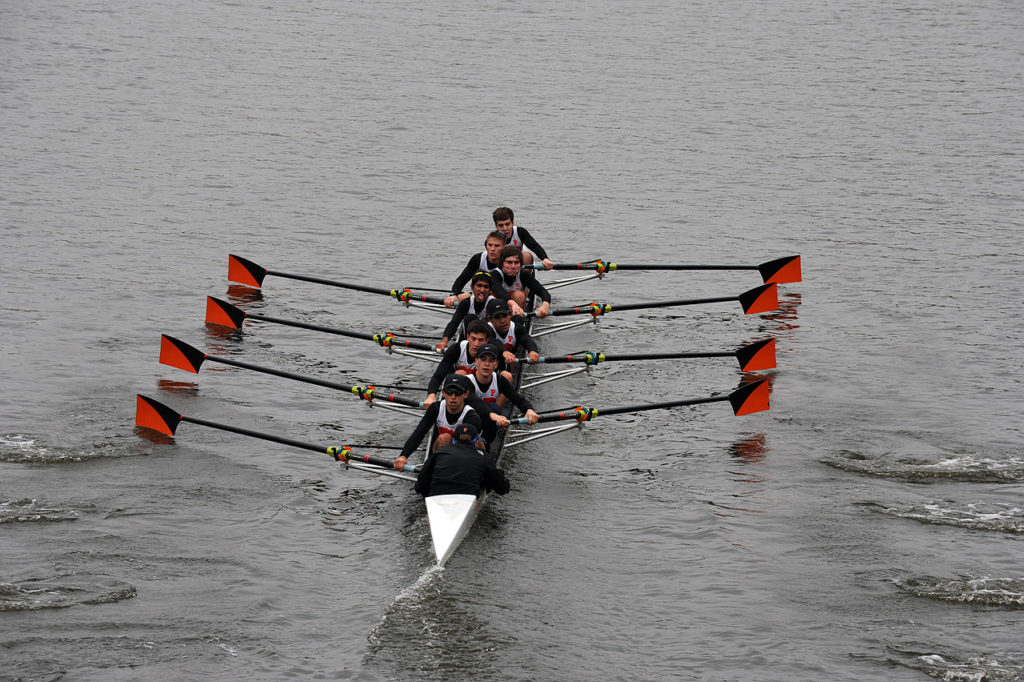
1004 518
1006 592
972 468
37 594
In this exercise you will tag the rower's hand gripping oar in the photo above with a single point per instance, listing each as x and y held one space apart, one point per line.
780 270
176 353
752 358
747 399
246 272
226 315
151 414
762 299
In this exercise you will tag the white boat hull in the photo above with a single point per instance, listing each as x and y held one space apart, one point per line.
450 517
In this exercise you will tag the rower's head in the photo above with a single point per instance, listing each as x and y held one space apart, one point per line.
510 260
477 333
481 285
494 243
456 388
504 220
499 315
466 433
487 357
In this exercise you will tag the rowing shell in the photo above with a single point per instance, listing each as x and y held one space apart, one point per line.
451 516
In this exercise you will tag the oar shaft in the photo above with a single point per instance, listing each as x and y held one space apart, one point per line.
585 414
331 282
595 358
344 332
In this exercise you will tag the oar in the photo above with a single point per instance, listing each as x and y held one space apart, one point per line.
246 272
780 270
762 299
752 358
747 399
154 415
223 313
176 353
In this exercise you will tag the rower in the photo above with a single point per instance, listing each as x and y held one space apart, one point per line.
504 221
470 308
496 390
460 357
458 406
460 469
512 283
510 333
485 260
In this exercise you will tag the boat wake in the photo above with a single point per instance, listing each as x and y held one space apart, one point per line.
1003 592
967 468
1004 518
982 668
38 594
20 511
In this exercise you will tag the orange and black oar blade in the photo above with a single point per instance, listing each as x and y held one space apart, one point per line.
223 313
757 356
151 414
751 398
183 356
244 271
179 354
762 299
781 270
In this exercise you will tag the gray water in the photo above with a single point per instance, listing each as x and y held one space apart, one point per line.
868 527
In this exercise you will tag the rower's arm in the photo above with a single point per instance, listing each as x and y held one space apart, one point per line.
535 287
444 368
458 316
531 243
506 389
523 338
466 275
414 440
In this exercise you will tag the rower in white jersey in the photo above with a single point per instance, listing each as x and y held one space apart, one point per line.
504 221
469 309
460 405
511 334
496 390
486 260
512 283
459 357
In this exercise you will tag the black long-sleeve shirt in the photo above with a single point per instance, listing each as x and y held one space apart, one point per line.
460 469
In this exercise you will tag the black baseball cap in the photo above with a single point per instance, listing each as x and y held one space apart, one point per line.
490 348
497 307
466 429
460 382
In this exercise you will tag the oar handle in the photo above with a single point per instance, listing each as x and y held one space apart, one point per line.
343 453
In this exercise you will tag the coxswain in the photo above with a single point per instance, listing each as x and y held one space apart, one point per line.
504 222
512 283
485 260
469 309
510 333
459 468
459 405
459 357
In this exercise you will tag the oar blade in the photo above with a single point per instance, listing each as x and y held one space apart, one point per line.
750 398
762 299
244 271
175 353
223 313
781 270
757 356
150 414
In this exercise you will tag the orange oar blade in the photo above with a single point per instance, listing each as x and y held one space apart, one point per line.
223 313
762 299
757 356
153 415
179 354
781 270
244 271
750 398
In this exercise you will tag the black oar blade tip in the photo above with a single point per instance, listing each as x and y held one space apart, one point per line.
762 299
781 270
175 353
223 313
150 414
244 271
751 398
757 356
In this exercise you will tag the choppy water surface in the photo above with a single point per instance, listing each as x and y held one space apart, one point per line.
867 527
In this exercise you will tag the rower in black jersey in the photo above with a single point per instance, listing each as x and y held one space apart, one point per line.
485 260
460 405
510 332
469 309
496 390
460 357
512 283
504 222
